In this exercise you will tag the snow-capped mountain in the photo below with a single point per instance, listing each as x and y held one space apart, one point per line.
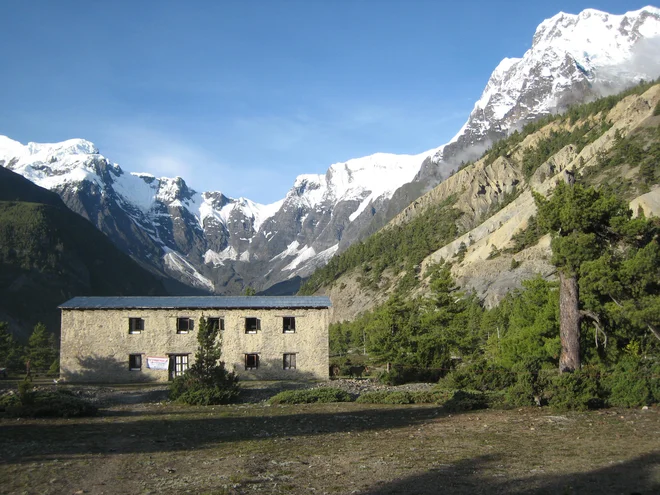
208 240
216 243
573 58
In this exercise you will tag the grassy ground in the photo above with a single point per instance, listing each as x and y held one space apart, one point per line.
337 448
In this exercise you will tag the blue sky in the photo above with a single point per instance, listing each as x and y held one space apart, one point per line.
242 96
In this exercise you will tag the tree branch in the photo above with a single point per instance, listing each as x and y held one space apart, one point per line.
596 321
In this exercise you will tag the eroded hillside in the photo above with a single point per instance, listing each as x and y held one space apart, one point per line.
613 142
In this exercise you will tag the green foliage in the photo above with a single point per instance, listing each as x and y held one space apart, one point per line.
249 291
633 383
466 400
460 254
527 237
531 380
207 381
514 264
326 394
576 391
385 397
525 325
641 150
41 349
11 352
479 375
656 110
38 403
583 221
399 247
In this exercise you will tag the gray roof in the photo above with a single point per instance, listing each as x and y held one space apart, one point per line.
197 302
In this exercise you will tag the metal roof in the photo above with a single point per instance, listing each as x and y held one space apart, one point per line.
197 302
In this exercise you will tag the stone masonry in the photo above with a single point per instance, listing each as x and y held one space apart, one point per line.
98 346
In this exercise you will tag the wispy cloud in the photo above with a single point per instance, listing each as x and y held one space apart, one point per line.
138 148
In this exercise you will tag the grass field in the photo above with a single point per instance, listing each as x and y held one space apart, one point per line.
347 448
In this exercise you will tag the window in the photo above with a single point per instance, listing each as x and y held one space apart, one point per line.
217 323
289 362
178 365
135 325
251 361
184 325
135 362
289 324
252 325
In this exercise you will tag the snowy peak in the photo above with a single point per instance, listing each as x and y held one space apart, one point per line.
592 52
597 38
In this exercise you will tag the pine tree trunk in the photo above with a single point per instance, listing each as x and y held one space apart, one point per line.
569 324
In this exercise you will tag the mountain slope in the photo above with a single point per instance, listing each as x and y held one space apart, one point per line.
613 142
215 243
49 254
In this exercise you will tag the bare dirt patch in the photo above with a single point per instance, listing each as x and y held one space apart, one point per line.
157 447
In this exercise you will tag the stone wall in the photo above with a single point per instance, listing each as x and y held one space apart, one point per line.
96 344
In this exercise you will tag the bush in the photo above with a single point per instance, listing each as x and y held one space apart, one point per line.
385 397
577 391
188 390
60 404
479 375
466 400
631 384
326 394
431 396
529 385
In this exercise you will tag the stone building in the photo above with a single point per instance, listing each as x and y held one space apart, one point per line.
131 339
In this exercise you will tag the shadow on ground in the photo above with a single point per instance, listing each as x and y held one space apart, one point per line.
480 475
137 434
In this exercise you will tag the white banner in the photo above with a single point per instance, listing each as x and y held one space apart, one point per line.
158 363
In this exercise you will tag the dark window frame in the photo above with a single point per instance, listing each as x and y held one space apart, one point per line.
288 324
135 362
220 320
188 327
183 364
252 328
289 361
251 361
135 325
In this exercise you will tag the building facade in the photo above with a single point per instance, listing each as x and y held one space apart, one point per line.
133 339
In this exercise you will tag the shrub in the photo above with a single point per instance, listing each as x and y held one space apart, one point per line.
656 110
479 375
189 390
530 381
385 397
466 400
61 404
431 396
325 394
631 384
577 391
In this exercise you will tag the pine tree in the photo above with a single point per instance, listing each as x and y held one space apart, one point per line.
11 351
207 381
586 224
41 349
